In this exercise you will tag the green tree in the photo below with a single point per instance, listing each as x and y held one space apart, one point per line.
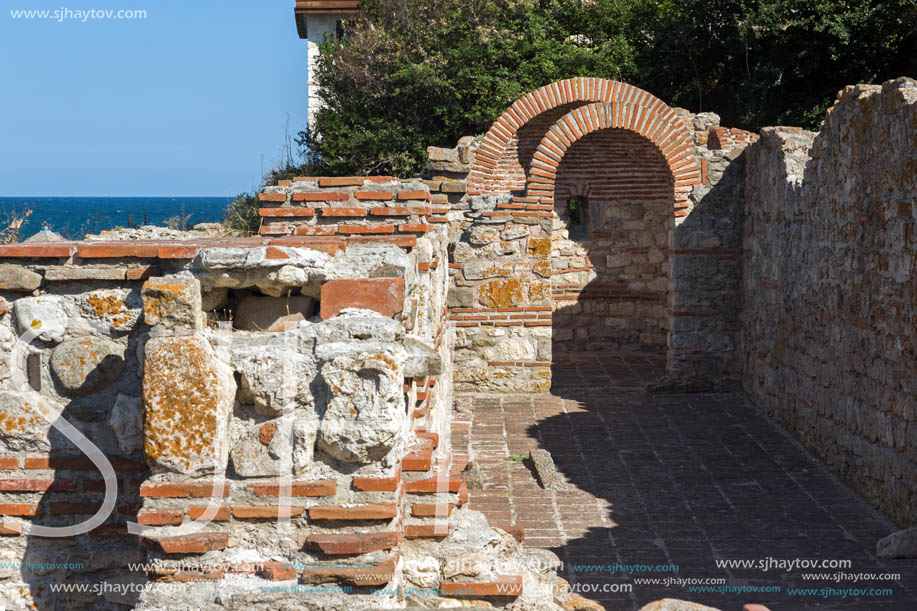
415 73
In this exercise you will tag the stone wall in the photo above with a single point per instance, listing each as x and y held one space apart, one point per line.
663 279
298 387
610 269
830 292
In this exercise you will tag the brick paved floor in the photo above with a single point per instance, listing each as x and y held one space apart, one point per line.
671 479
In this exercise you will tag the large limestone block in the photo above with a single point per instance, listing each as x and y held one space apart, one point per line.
16 278
173 301
275 368
188 397
87 364
365 416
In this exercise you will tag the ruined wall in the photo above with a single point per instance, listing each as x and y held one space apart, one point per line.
610 272
829 288
662 279
295 386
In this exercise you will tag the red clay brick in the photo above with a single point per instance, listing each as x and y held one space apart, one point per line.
371 511
37 485
38 251
184 490
378 484
143 273
378 574
349 181
345 544
413 195
195 512
10 530
200 543
425 531
286 212
431 510
382 295
20 509
277 571
272 197
338 212
118 250
452 484
160 517
9 462
326 487
374 195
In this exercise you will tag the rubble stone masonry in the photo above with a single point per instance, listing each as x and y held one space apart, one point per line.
830 289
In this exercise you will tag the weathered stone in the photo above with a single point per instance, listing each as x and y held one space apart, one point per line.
547 473
474 476
45 313
423 572
481 270
516 349
305 434
120 309
173 301
365 415
252 457
4 306
88 364
501 293
272 314
126 420
460 297
901 544
22 426
18 278
188 396
275 368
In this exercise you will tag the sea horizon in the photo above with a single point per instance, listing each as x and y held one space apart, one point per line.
75 216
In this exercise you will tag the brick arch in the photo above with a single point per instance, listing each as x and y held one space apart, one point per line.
502 162
660 126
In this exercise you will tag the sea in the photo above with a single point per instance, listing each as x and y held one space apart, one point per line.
74 217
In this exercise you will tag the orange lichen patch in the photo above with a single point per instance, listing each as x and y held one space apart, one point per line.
539 291
187 396
540 247
543 268
174 300
111 308
501 293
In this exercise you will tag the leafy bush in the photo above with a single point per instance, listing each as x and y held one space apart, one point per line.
415 73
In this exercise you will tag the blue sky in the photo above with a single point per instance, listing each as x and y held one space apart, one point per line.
191 100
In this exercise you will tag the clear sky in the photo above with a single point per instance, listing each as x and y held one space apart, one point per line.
191 100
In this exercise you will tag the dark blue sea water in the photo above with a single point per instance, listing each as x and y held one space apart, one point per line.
76 216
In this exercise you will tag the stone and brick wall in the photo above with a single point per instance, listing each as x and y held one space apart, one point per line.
830 289
220 377
655 269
